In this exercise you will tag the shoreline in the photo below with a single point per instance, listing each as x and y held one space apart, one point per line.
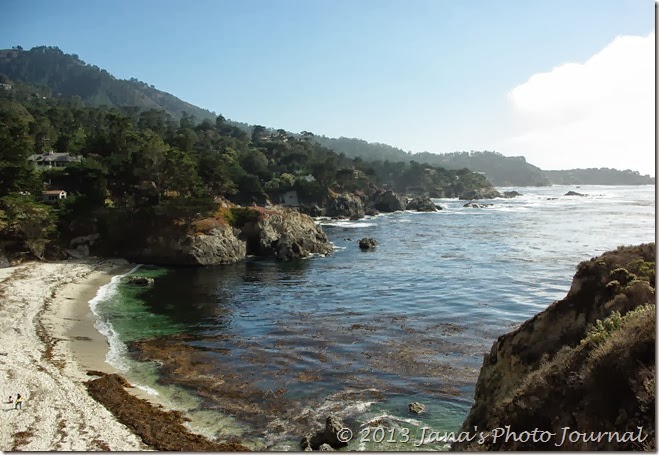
37 309
48 344
71 320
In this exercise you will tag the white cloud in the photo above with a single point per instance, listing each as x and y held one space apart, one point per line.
594 114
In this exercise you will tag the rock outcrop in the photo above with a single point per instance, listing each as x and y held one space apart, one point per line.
4 262
286 235
138 280
219 245
587 362
328 435
387 201
511 194
476 205
422 204
345 205
480 193
313 210
367 243
282 233
574 193
416 407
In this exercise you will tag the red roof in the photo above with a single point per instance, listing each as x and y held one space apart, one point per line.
46 193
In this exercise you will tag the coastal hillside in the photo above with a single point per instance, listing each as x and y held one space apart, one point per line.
601 176
67 75
54 73
500 170
584 365
117 177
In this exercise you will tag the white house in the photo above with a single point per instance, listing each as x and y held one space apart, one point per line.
289 198
53 159
53 196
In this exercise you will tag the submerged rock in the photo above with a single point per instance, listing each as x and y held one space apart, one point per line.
367 243
573 193
566 368
416 407
422 204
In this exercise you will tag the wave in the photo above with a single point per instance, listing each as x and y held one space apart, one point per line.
116 356
146 389
349 224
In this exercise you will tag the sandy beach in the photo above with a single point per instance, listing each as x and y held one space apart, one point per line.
47 344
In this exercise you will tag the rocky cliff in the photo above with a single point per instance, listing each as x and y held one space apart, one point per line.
586 363
220 245
230 235
345 205
284 234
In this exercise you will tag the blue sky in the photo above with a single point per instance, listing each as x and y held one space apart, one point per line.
423 75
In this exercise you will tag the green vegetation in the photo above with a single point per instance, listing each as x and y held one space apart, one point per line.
498 169
139 168
46 71
601 176
602 329
66 75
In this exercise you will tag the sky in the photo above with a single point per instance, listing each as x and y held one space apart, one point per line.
564 83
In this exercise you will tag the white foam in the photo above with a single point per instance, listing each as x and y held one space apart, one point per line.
349 224
147 389
116 355
394 418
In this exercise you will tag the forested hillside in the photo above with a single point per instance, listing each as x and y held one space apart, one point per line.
139 169
500 170
47 72
68 76
602 176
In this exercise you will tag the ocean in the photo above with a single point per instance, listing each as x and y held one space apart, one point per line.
262 351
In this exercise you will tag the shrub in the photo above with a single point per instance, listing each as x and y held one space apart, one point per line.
602 329
27 221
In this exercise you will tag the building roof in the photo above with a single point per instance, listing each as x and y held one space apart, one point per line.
53 156
53 192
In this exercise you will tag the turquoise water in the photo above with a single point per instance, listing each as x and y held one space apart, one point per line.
361 335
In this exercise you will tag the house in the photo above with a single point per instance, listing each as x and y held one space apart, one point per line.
53 196
52 159
289 198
